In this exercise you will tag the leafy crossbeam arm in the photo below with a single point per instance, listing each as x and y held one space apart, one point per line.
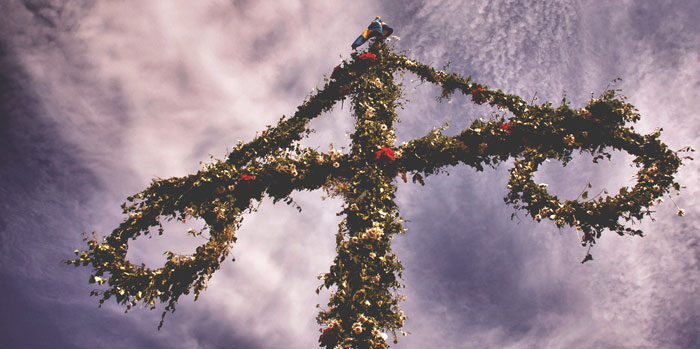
219 195
364 279
540 132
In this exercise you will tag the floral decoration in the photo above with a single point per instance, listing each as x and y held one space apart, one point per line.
385 153
364 279
368 57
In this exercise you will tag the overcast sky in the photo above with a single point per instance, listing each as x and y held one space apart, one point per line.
97 98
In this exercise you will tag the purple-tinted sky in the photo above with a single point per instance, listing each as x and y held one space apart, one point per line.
97 98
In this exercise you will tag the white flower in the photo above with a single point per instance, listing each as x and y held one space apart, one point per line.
570 140
383 127
681 212
336 164
357 328
383 335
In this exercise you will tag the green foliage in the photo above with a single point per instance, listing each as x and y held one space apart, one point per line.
365 276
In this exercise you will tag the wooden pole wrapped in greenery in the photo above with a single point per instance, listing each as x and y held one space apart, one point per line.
365 276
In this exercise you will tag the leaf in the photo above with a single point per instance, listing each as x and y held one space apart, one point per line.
588 257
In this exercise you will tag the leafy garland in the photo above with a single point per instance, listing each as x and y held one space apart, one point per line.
364 277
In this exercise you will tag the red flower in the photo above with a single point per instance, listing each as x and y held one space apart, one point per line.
368 57
329 337
386 152
477 97
505 127
245 177
336 72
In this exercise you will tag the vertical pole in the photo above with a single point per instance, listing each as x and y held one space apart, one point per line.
366 271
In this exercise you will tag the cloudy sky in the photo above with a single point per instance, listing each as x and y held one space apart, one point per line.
97 98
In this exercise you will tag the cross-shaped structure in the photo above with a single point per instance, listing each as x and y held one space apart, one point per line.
365 275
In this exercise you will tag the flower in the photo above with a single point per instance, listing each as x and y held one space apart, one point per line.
336 164
246 177
220 189
376 333
477 96
329 336
681 212
385 152
570 140
383 127
336 72
357 328
368 57
505 127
